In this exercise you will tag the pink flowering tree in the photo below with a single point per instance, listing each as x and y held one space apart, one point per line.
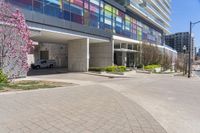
15 41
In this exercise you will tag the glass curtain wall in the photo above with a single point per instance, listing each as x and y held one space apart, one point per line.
94 13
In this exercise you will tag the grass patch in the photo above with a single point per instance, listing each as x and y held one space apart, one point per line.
30 85
2 86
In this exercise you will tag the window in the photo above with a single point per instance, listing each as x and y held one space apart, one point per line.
123 45
127 27
118 19
76 8
66 10
107 17
53 8
130 46
38 6
22 3
117 46
94 13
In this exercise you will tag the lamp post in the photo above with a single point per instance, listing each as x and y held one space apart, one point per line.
184 60
190 48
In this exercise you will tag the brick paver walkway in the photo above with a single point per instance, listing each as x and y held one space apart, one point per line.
80 109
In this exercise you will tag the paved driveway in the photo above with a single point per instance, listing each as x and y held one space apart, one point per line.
101 105
87 108
173 101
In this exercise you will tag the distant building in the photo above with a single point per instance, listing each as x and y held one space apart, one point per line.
195 51
178 40
198 53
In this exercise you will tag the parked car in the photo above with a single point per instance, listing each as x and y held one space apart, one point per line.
43 64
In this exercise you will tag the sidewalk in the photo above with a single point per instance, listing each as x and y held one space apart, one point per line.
86 109
91 107
129 74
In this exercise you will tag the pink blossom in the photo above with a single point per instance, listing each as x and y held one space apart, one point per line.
15 41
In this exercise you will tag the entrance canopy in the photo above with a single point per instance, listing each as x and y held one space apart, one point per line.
119 39
126 50
51 36
123 44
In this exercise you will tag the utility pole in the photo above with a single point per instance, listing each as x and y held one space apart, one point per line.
190 51
190 48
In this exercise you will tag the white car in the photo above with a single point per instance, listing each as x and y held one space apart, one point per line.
43 64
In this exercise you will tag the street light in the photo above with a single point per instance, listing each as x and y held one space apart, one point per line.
184 49
184 60
190 48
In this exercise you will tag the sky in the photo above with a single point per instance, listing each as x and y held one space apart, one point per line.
184 11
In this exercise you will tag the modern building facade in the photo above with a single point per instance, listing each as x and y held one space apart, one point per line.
178 40
80 34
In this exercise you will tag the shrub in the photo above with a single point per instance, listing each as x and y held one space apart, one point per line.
109 69
122 68
97 69
3 77
115 69
151 67
139 66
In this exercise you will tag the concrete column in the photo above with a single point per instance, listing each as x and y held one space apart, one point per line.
124 58
78 55
113 50
101 54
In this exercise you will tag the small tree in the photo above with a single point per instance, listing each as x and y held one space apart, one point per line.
151 55
166 62
15 41
180 63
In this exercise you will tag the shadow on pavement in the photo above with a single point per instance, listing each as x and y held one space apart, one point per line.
46 71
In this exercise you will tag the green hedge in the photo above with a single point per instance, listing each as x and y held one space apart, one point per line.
109 69
115 69
97 69
151 67
139 66
3 77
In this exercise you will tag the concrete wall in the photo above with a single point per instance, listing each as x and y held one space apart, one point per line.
78 55
124 58
101 54
57 52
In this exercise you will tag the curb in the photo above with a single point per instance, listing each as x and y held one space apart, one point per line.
108 76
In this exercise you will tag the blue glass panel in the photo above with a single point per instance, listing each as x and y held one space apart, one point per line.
76 18
53 11
66 15
106 26
94 20
127 33
22 3
76 9
118 30
38 6
66 6
101 25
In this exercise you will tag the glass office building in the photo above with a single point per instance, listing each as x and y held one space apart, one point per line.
139 20
102 15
